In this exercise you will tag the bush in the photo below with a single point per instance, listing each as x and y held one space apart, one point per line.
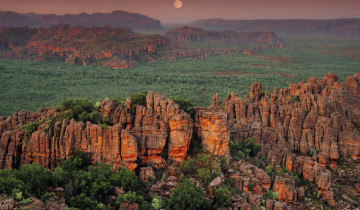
269 169
185 104
76 107
30 128
95 117
157 203
187 196
17 194
236 151
131 197
47 196
222 197
84 116
252 147
82 202
272 195
312 151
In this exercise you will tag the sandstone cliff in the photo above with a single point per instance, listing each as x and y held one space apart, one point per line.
107 46
317 117
186 33
156 129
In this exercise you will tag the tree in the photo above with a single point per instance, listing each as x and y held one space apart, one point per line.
8 181
187 196
36 178
126 179
185 104
222 197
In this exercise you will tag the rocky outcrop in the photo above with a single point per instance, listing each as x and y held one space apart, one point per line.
186 33
156 129
211 126
81 45
316 117
7 203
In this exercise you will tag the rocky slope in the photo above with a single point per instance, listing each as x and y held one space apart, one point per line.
186 33
309 131
115 19
337 26
119 48
107 46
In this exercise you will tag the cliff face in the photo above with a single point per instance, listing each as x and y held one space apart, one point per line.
318 116
156 129
115 19
107 46
199 35
336 26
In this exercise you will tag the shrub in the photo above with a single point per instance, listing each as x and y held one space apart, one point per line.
312 151
17 194
82 202
26 201
75 107
95 117
187 196
84 116
47 196
31 128
251 186
272 195
253 148
295 98
185 104
157 203
131 197
222 197
269 169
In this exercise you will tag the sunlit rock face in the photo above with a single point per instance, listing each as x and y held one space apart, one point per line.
156 129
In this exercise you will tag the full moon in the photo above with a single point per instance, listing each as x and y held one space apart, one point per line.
177 4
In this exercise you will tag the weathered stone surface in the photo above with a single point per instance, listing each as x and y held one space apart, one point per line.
156 129
147 173
211 126
285 187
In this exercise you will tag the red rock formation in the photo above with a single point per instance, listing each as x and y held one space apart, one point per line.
186 33
211 125
317 116
143 136
81 45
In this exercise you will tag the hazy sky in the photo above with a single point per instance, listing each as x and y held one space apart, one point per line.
196 9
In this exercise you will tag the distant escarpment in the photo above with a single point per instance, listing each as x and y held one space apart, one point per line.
309 131
120 47
115 19
293 26
107 46
186 33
